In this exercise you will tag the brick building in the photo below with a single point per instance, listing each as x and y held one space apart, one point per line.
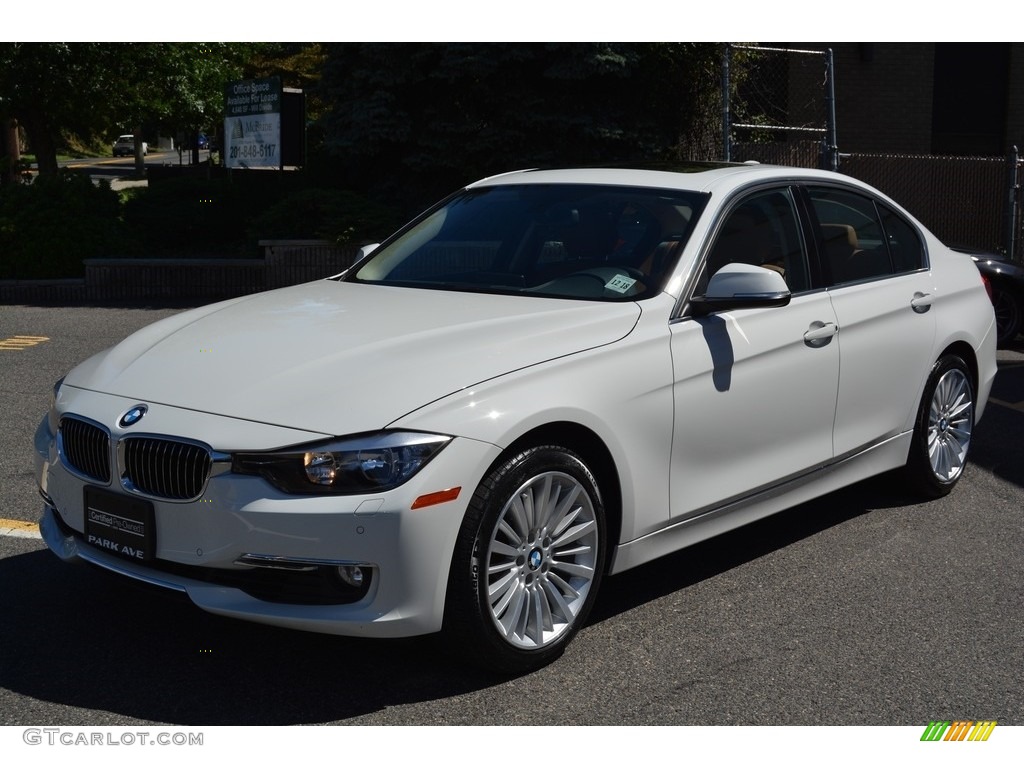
928 98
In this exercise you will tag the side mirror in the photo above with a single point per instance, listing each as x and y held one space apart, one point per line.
365 251
741 286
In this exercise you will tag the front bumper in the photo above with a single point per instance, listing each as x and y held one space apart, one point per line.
406 552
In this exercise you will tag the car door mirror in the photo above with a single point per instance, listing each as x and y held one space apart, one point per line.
741 286
365 251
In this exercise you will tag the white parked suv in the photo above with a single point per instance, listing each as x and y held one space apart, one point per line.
125 145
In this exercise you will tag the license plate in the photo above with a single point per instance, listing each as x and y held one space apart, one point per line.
120 524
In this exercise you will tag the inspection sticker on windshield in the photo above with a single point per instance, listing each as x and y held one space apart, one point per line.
620 284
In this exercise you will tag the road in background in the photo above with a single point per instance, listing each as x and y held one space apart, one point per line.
120 171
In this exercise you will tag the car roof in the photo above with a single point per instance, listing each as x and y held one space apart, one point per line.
697 177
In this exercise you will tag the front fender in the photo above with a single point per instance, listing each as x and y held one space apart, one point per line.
622 392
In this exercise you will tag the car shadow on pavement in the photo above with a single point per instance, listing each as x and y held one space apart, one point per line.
997 442
718 555
86 640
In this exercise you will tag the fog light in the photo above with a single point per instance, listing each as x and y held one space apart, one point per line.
351 575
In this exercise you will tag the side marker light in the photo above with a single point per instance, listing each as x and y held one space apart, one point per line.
438 497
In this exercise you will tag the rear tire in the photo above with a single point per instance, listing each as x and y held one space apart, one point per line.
942 432
527 563
1008 311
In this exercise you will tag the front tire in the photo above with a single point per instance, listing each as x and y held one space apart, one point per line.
942 432
528 561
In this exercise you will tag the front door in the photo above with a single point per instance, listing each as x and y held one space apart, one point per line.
755 389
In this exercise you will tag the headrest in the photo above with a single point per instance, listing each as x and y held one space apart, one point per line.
845 232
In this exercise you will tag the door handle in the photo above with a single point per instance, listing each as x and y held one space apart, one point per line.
820 334
921 302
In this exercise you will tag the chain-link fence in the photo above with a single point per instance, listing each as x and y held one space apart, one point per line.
962 200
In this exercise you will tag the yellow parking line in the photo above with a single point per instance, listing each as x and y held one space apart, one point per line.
19 529
22 342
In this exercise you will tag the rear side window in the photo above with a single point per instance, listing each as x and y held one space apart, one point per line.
861 239
852 241
905 246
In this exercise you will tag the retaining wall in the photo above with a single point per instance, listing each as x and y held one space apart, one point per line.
285 262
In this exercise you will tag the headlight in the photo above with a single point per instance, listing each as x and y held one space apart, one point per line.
360 464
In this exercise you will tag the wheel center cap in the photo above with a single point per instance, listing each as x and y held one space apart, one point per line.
536 558
943 425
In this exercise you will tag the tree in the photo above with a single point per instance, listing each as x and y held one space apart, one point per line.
96 88
437 115
299 65
185 90
41 85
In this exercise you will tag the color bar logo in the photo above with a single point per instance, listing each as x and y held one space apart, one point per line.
958 730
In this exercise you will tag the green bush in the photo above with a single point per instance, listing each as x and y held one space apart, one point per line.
49 226
190 216
325 214
228 215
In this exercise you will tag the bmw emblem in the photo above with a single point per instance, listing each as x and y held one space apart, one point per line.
536 558
133 416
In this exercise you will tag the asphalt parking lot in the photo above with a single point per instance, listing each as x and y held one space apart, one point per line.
864 607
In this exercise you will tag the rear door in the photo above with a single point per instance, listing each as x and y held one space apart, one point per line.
879 284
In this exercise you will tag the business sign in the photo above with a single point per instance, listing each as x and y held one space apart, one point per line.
252 123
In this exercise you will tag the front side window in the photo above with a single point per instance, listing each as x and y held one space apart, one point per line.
560 240
761 230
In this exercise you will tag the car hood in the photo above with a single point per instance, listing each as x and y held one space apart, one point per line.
342 358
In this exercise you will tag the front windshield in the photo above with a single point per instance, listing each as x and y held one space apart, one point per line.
567 241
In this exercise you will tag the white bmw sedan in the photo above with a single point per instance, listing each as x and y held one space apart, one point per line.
548 377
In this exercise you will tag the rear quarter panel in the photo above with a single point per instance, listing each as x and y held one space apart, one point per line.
964 313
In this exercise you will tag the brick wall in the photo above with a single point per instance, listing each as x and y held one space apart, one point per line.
289 262
883 96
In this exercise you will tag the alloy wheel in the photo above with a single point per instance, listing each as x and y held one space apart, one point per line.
950 422
542 560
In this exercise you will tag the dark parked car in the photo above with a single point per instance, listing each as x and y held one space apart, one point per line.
1005 281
